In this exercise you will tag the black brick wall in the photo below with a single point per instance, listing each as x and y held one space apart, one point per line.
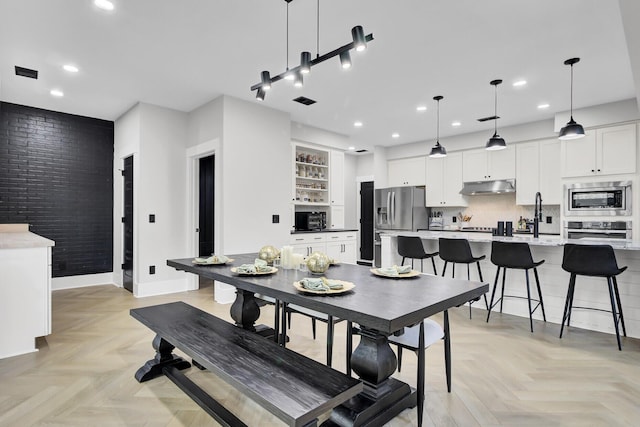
56 173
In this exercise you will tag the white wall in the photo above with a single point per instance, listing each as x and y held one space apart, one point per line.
156 137
126 143
256 176
599 115
205 123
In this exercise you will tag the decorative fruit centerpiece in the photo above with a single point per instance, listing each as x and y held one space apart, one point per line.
318 263
268 253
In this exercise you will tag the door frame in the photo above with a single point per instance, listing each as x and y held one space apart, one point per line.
359 181
193 156
118 256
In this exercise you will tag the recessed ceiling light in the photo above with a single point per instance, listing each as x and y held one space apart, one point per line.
395 135
519 83
421 108
57 93
357 124
456 124
103 4
70 68
351 148
543 106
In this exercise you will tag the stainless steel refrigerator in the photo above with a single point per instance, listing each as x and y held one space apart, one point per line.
398 208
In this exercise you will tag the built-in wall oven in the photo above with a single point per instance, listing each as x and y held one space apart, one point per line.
600 230
598 199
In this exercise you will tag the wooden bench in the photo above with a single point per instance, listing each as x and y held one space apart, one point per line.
289 385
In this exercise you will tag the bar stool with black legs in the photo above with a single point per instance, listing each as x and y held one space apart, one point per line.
515 255
411 247
594 261
458 251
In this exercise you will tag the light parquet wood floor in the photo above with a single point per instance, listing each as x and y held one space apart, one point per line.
502 374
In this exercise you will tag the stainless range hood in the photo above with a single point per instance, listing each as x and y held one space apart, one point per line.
488 187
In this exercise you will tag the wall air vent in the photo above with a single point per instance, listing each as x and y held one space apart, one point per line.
304 100
26 72
486 119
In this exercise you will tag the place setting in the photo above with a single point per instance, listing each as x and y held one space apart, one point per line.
213 260
259 267
396 272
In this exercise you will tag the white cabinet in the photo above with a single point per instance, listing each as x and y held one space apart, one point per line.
444 181
342 247
339 245
308 243
337 177
604 151
311 176
336 217
403 172
488 165
538 170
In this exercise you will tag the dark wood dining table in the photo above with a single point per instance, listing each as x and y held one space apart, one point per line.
380 306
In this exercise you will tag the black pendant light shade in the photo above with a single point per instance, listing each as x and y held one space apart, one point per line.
260 94
265 80
345 59
572 130
496 142
438 150
359 41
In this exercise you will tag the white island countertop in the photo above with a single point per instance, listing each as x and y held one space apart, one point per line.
543 240
23 239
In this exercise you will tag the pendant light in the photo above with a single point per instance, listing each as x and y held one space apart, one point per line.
438 150
572 130
496 142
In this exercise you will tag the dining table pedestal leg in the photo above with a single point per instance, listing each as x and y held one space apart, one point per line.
383 397
245 311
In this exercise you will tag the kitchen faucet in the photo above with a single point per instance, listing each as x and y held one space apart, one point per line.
537 214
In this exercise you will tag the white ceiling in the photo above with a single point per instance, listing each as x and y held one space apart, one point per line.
182 54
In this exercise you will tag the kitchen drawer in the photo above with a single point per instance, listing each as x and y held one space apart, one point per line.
307 238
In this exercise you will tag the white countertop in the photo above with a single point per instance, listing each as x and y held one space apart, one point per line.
23 239
549 240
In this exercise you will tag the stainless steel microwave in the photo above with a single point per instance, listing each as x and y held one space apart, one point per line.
598 198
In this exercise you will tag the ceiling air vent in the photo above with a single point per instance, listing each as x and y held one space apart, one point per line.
361 151
26 72
304 100
486 119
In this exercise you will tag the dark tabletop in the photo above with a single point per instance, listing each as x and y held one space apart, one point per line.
376 302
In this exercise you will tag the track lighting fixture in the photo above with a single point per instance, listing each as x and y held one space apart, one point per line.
345 59
260 94
496 142
359 43
572 130
438 150
266 81
305 62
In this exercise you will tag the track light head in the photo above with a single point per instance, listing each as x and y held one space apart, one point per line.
297 79
345 59
260 94
266 80
359 41
305 62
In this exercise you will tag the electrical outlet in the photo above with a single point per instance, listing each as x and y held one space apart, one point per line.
275 219
152 218
549 219
152 269
454 219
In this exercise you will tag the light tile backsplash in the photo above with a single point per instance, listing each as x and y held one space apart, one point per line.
487 210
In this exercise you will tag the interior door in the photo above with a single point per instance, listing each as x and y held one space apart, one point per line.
206 206
366 221
127 220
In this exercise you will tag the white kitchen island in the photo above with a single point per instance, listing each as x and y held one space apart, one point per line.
554 281
25 289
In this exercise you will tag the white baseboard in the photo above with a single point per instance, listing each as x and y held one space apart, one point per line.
141 290
70 282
